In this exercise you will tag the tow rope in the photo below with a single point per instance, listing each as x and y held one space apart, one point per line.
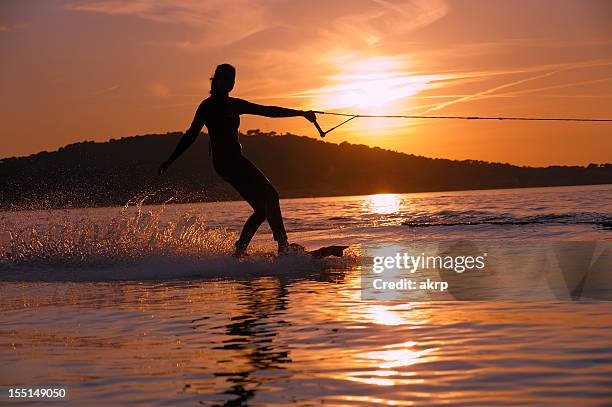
350 116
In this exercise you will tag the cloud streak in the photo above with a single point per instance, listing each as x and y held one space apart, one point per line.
383 19
219 21
222 22
487 92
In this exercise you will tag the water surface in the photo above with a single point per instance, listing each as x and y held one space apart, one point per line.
147 308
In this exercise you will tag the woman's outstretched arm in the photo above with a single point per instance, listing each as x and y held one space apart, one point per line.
187 140
245 107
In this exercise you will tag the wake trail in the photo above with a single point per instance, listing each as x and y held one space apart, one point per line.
137 244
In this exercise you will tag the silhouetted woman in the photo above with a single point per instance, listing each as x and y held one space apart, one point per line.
221 115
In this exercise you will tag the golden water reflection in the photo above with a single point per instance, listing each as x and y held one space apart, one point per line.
379 366
383 203
283 340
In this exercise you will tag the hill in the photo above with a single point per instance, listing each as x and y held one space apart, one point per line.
113 172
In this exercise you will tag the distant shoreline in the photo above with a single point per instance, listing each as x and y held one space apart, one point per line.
145 203
110 174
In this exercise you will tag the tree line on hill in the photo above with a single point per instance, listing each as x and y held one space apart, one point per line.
112 173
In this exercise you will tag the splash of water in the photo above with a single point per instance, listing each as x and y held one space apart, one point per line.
132 235
137 244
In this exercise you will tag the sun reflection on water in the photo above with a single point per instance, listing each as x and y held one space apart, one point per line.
384 203
388 366
398 355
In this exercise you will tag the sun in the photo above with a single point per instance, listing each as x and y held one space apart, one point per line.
379 85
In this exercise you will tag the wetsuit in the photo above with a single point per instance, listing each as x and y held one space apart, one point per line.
221 115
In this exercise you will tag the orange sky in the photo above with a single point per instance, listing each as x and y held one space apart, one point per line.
75 70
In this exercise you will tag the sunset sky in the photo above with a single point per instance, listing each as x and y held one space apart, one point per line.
75 70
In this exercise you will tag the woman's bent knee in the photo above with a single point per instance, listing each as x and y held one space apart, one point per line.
259 215
271 194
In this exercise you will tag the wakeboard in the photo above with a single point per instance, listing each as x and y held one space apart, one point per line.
320 253
327 251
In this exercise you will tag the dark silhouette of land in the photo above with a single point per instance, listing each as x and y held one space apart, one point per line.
111 173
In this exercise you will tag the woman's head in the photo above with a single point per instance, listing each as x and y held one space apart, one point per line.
223 80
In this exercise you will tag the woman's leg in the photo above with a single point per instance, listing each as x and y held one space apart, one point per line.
257 190
255 220
248 230
261 192
275 217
